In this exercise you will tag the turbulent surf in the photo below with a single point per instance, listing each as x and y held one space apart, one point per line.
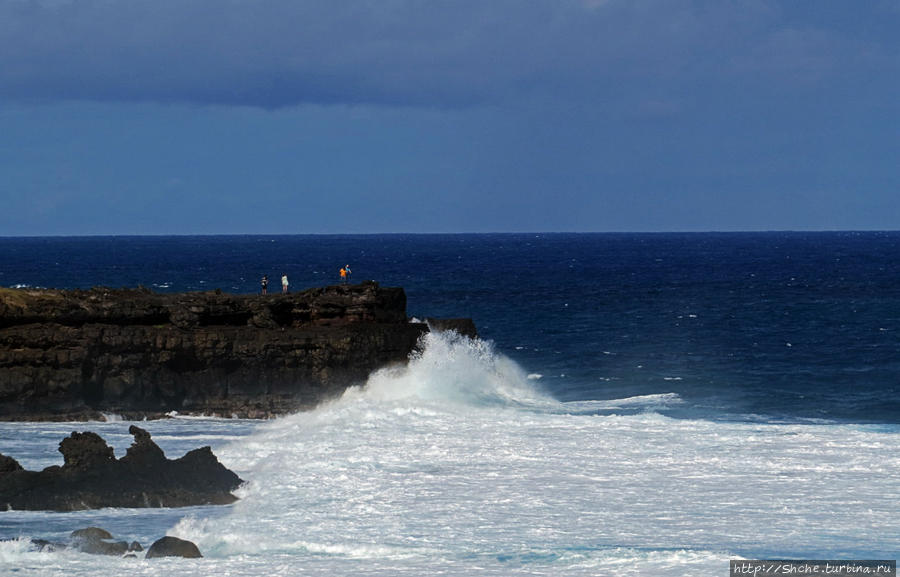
647 422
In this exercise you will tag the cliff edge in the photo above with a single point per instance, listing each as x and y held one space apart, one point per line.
73 354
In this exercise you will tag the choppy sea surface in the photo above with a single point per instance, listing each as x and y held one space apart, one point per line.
639 404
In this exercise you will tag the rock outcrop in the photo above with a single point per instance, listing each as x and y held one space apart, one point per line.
173 547
98 541
91 477
74 354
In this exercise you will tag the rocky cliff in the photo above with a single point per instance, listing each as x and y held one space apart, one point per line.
68 354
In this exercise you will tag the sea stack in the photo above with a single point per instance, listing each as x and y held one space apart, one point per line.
91 478
75 354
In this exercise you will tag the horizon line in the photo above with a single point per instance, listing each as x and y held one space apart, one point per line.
470 233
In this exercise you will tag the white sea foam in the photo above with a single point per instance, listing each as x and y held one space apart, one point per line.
449 367
459 465
12 551
646 403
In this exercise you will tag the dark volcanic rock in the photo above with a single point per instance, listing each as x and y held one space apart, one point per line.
97 541
465 327
77 353
173 547
92 478
90 534
85 450
45 546
92 540
8 465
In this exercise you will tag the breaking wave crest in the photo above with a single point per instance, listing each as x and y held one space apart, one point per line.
449 367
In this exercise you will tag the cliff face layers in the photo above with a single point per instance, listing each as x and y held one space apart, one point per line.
73 354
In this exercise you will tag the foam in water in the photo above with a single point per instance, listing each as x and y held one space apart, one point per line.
457 465
449 367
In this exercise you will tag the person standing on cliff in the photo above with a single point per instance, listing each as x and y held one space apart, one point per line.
349 272
264 283
284 284
343 275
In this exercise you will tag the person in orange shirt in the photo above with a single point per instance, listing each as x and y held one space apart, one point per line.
343 275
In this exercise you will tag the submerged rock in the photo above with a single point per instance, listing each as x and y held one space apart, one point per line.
90 534
173 547
94 541
97 541
92 477
44 546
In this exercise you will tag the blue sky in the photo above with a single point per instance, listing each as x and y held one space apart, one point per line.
289 116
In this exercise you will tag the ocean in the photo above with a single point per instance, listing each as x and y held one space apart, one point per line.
638 404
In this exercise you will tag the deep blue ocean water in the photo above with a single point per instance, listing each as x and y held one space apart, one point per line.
758 326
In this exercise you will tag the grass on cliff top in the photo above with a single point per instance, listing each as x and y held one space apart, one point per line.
23 297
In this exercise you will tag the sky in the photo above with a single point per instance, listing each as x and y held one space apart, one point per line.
379 116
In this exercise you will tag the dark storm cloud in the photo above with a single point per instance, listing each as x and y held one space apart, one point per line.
268 53
275 53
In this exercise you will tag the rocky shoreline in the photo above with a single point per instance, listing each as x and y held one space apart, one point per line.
80 354
91 478
99 541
